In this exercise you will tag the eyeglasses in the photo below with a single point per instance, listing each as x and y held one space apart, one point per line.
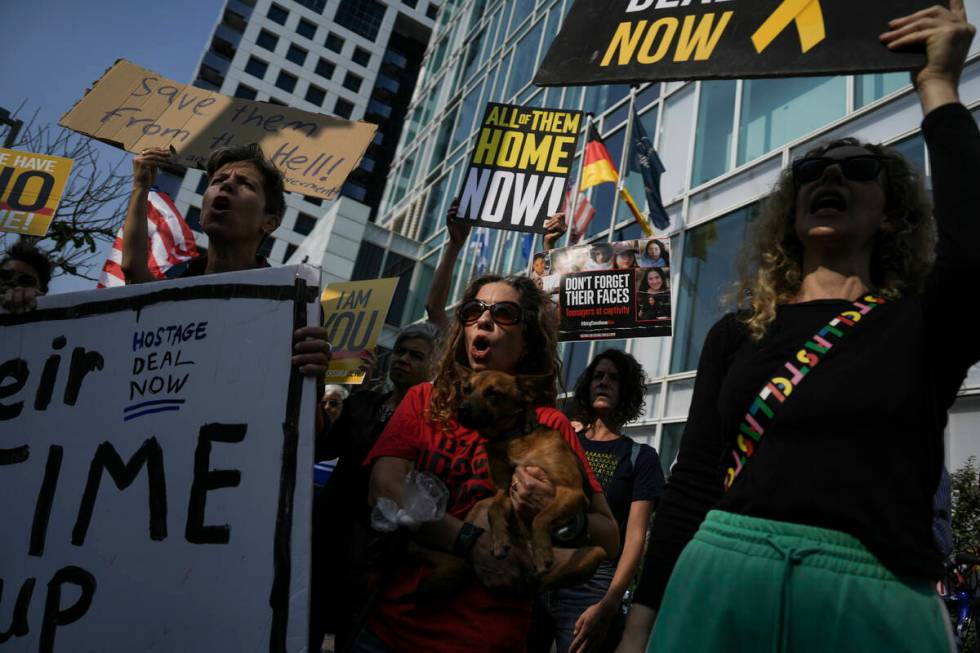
503 313
861 167
18 280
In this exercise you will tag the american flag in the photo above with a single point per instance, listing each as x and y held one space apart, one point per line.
170 242
579 213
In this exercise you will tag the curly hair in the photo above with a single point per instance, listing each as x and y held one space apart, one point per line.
27 252
770 265
539 327
632 384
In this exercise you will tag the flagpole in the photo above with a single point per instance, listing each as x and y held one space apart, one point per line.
578 182
624 159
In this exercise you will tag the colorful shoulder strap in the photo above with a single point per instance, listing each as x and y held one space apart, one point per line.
787 380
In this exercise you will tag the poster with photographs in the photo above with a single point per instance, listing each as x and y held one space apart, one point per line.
608 290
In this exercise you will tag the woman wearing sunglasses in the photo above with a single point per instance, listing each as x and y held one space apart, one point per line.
503 324
797 516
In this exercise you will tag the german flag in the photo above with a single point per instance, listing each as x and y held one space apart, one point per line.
599 166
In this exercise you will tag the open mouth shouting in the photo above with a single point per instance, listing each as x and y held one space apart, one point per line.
220 204
480 348
827 201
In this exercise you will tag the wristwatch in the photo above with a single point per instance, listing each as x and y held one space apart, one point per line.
466 539
571 530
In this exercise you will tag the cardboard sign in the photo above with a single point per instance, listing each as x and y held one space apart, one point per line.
649 40
157 467
518 171
608 290
31 186
354 314
134 108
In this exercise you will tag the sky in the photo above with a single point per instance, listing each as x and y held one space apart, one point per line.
53 50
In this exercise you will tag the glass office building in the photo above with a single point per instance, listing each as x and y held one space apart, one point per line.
722 142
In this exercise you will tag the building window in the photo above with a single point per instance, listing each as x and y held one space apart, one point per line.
712 151
343 108
304 224
776 111
306 29
285 81
354 191
525 57
296 54
193 217
410 3
868 88
361 17
275 100
290 250
432 11
401 267
202 184
361 57
352 82
256 67
315 5
277 14
245 92
325 68
313 200
266 247
334 42
707 272
315 94
267 40
367 265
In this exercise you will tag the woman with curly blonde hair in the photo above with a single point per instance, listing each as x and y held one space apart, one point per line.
508 325
802 492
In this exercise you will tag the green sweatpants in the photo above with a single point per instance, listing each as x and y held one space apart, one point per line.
752 585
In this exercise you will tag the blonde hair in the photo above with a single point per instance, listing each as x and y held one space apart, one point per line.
540 330
769 271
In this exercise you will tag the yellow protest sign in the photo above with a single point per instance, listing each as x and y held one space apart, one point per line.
133 108
31 186
353 314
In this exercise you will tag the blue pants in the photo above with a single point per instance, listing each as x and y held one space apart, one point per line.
556 612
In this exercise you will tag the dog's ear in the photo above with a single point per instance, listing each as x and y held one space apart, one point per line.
531 384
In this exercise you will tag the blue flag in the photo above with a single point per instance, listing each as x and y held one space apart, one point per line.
644 160
526 246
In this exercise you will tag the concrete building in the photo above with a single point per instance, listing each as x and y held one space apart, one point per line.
723 143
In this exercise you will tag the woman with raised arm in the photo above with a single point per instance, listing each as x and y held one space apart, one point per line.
503 324
797 516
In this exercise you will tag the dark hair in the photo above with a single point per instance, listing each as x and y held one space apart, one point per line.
645 284
664 254
540 329
272 180
421 331
632 383
27 252
606 248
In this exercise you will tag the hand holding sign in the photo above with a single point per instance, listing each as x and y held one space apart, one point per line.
946 35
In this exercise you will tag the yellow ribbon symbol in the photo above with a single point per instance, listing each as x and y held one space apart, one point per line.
809 23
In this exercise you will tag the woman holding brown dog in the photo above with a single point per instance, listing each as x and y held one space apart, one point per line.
802 493
588 617
502 324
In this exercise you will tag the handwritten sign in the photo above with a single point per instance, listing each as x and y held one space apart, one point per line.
353 314
608 290
650 40
134 108
518 171
31 186
156 467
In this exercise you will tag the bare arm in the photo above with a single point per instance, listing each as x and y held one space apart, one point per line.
594 622
135 248
435 303
639 623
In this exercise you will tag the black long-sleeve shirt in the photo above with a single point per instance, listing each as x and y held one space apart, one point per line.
859 446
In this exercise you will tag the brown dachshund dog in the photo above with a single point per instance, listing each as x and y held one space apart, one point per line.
498 406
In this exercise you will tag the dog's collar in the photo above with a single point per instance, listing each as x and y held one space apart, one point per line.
519 431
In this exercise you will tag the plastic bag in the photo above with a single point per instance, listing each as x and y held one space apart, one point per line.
423 500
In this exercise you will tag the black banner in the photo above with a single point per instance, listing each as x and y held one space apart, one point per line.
650 40
518 171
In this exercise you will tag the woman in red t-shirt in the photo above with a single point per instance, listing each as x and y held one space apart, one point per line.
504 324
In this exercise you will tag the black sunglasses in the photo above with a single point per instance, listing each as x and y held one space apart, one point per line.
503 313
18 280
861 167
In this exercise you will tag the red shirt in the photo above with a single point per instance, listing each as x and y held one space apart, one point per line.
472 620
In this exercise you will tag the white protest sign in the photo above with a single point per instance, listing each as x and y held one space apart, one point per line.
156 458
